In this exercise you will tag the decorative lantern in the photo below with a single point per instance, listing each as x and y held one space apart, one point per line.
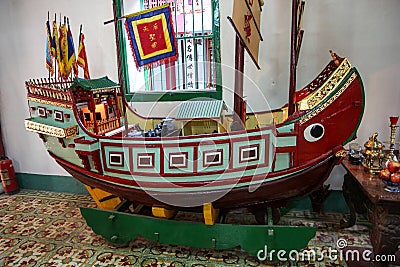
373 154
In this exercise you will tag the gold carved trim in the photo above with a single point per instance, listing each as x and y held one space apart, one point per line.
51 130
47 102
323 92
330 101
106 90
341 153
71 131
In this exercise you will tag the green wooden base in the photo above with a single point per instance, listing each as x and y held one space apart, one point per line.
120 228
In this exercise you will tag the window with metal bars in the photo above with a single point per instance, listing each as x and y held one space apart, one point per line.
196 73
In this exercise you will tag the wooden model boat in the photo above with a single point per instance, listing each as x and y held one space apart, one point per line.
280 154
290 158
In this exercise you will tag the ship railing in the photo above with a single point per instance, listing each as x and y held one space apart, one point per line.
50 89
103 126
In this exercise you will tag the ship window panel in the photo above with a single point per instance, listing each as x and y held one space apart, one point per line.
212 158
98 116
178 160
42 112
87 116
145 160
58 115
249 153
116 159
196 26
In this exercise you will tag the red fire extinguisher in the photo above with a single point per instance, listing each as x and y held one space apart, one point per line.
7 176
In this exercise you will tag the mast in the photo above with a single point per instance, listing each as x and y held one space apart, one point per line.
121 79
246 23
238 102
296 40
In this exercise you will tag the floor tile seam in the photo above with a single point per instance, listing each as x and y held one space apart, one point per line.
36 212
56 245
88 202
25 241
42 228
52 195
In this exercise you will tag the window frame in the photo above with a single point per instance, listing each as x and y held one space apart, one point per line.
58 115
115 154
42 112
170 95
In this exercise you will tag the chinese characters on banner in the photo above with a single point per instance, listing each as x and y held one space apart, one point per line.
152 36
246 21
190 65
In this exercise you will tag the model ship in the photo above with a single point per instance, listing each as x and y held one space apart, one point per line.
89 130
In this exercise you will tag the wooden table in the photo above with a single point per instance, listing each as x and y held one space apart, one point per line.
365 193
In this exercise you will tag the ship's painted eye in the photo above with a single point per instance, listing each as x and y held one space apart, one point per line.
314 132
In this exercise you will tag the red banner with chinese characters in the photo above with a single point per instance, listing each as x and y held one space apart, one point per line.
152 36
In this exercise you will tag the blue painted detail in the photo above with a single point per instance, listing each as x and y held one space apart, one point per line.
286 128
282 161
286 141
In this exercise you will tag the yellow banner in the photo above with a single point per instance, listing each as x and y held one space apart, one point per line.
246 21
255 8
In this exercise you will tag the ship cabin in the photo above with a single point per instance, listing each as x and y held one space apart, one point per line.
99 105
202 117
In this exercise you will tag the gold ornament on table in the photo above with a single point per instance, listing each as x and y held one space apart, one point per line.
373 154
393 125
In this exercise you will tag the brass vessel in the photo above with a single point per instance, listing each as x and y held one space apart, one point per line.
373 155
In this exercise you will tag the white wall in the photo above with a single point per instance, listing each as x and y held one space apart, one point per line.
22 46
365 31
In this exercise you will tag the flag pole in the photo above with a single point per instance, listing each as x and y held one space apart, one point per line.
56 48
80 33
71 75
119 63
293 59
48 22
59 44
77 53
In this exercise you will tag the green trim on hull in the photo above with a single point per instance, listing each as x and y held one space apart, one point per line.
121 228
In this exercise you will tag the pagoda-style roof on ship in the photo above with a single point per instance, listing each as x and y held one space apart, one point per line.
201 109
98 85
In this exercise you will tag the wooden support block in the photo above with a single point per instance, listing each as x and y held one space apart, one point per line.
103 199
163 213
210 214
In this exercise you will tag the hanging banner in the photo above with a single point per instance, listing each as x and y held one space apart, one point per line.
190 69
255 9
246 22
152 36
